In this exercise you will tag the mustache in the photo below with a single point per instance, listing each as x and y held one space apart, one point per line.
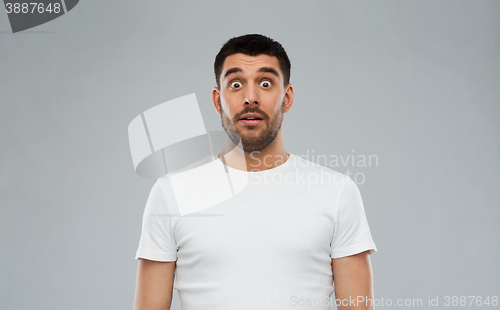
262 113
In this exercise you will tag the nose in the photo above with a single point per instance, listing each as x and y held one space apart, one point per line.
251 96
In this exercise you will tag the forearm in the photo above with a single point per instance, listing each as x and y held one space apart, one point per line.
154 286
353 281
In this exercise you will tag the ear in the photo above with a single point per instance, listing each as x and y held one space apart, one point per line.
288 97
216 99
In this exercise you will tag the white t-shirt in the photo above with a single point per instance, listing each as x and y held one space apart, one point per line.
269 246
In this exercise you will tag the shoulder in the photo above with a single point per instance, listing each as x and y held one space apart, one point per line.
163 194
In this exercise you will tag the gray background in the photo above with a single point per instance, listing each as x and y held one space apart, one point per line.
414 82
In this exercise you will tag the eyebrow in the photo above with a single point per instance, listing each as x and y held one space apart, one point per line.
263 69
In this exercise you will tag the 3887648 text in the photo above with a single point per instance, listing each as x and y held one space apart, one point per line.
32 7
464 301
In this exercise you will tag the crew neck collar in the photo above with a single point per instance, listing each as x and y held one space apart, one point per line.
275 169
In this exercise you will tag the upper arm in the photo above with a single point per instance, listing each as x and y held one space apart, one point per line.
353 280
154 285
351 230
157 242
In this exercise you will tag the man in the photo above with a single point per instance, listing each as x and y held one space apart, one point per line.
276 244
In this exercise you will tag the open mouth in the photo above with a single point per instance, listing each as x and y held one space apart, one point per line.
250 122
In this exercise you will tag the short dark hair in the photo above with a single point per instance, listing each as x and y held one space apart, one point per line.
253 45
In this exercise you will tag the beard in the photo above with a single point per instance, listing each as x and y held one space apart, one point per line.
254 139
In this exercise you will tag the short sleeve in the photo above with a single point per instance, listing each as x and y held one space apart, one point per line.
157 239
351 232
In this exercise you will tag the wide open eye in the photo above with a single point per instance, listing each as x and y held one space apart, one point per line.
235 84
265 84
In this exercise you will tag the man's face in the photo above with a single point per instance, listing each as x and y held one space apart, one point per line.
252 84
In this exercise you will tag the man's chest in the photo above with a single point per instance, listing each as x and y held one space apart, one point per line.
290 227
